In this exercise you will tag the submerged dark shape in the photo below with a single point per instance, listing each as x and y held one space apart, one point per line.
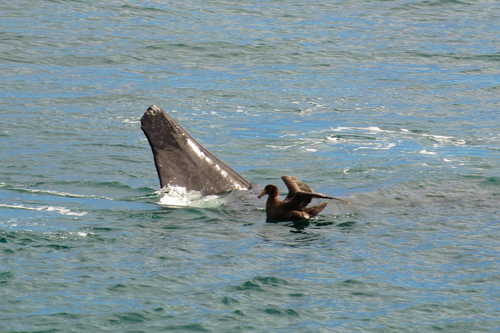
294 206
181 161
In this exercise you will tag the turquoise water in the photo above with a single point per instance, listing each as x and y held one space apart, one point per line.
392 105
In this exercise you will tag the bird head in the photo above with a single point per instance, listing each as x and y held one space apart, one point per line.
269 189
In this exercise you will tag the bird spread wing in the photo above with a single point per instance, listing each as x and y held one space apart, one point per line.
295 185
302 199
300 194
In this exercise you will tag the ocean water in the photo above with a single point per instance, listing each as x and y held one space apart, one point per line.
392 105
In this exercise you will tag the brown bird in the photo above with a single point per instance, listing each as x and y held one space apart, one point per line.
294 206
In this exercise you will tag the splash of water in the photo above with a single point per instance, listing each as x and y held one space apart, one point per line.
177 196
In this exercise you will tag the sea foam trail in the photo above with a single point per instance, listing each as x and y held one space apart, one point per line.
60 210
49 192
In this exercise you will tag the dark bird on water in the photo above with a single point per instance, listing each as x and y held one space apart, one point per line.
294 206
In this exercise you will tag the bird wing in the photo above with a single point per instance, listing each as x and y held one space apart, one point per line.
300 194
295 185
302 199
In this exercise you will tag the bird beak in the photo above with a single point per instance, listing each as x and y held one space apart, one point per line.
261 194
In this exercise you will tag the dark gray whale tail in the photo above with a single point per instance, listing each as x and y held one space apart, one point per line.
181 161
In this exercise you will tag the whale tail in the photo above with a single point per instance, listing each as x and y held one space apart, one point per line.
181 161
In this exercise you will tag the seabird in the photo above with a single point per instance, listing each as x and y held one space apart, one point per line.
294 206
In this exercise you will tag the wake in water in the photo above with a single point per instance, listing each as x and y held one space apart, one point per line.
60 210
177 196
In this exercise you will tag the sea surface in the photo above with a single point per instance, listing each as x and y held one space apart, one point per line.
392 105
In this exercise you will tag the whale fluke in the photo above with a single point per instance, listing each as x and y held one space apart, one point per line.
181 161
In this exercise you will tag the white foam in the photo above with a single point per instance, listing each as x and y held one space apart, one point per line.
378 146
62 194
445 139
177 196
281 147
57 193
60 210
372 129
128 121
